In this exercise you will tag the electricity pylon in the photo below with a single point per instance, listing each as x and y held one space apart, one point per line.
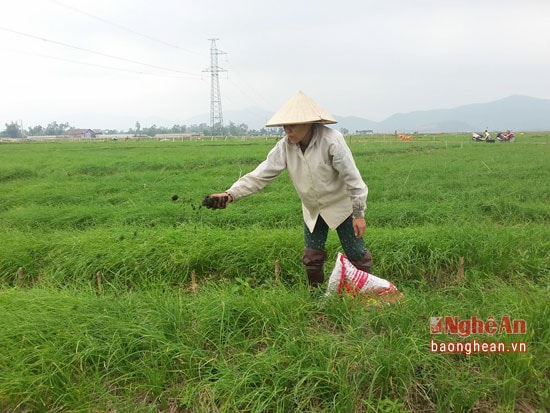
216 113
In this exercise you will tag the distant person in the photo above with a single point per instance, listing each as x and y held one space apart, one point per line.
323 171
486 134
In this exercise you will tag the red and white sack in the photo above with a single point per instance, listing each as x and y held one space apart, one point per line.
345 277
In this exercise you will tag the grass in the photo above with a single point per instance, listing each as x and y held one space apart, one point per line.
243 342
232 347
131 257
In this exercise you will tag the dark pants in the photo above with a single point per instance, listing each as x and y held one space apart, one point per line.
314 251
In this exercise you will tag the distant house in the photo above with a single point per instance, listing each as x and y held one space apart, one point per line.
83 133
364 132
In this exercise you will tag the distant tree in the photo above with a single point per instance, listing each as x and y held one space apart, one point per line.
233 129
344 131
51 129
12 131
56 129
37 130
177 129
272 132
237 130
244 128
202 128
154 130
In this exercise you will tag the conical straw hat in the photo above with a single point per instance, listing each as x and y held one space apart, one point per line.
300 109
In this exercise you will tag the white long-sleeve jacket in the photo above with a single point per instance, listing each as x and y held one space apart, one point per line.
325 177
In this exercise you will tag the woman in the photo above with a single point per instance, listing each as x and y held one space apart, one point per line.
323 171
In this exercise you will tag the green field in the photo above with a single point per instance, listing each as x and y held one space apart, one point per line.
98 311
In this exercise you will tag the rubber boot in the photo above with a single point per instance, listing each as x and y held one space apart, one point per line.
364 263
313 260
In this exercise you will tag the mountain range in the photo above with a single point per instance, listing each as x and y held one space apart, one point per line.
517 113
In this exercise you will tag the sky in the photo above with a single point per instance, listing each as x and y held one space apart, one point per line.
111 63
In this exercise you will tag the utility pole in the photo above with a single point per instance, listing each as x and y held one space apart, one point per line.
216 114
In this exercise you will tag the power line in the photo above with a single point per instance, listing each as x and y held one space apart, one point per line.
98 65
97 53
132 31
241 88
101 19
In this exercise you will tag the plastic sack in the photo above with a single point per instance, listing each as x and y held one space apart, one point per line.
345 277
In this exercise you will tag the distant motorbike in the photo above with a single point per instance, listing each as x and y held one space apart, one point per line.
506 136
486 137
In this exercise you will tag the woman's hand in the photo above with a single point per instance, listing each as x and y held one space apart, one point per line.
217 201
359 226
